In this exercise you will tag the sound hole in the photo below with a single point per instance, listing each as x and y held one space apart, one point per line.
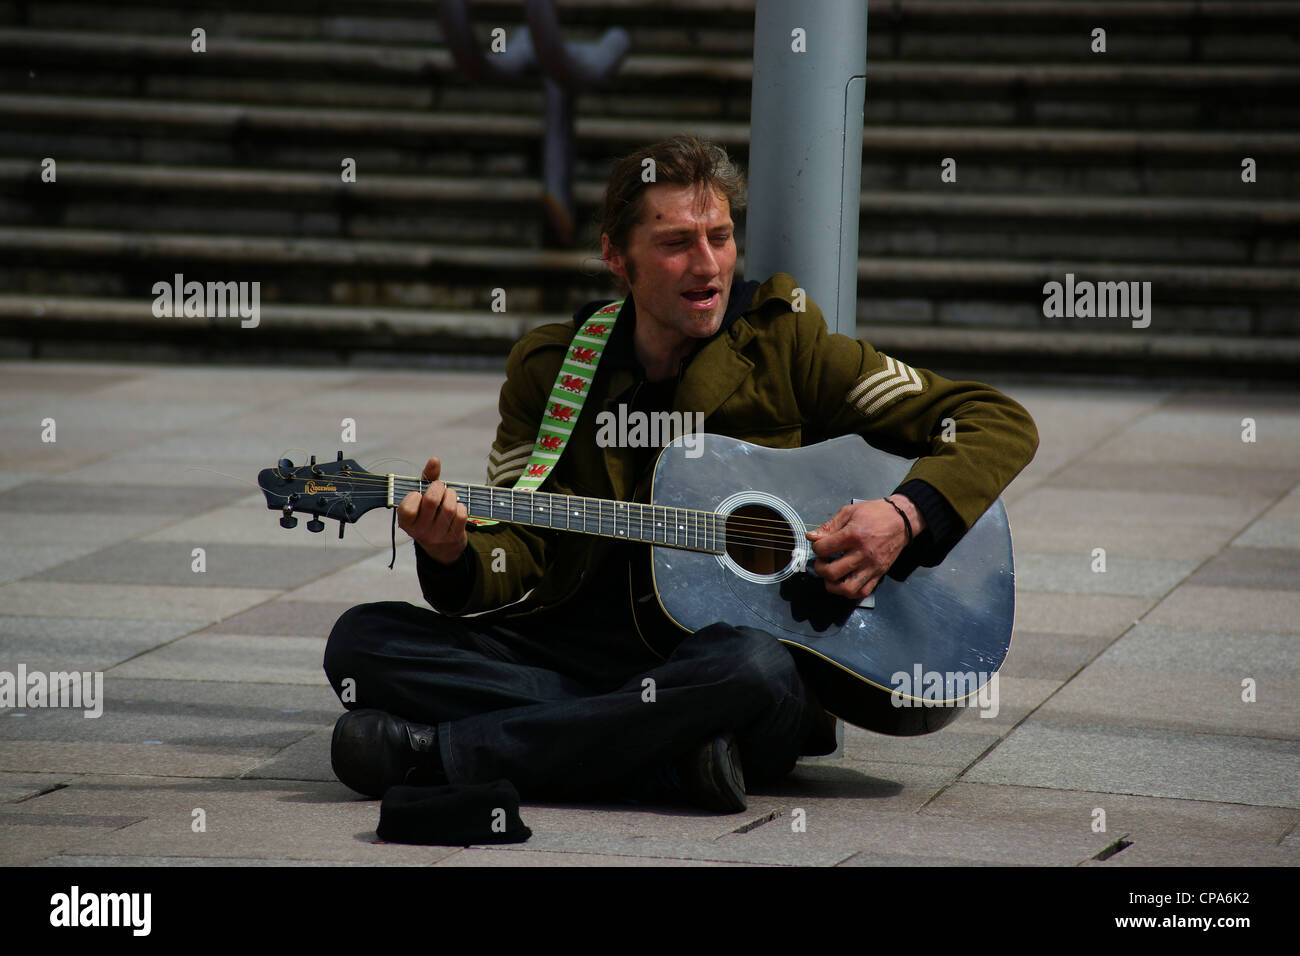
759 539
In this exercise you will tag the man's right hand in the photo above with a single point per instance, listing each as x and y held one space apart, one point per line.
436 519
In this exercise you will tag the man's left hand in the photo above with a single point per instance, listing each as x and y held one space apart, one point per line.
871 535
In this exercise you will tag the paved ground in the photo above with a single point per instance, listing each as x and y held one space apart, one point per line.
1122 696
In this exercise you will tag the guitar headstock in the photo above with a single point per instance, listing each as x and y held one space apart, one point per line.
339 489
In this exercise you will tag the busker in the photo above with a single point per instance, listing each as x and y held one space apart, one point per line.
530 668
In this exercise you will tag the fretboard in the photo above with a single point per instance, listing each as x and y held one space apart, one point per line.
627 520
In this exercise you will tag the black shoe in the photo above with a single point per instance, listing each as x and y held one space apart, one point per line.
709 777
372 751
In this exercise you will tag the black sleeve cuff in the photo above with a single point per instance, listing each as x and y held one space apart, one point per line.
943 528
447 585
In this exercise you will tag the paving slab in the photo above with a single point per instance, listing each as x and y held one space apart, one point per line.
524 855
1255 567
1013 700
250 521
135 469
216 383
255 659
224 565
18 787
633 824
1088 614
1051 656
865 784
368 580
307 759
87 860
1142 507
864 834
1071 421
1145 819
183 760
1074 574
139 713
23 382
21 448
1229 609
19 561
1225 449
243 819
1288 507
79 530
1222 480
300 705
1198 853
62 643
69 498
1201 651
1148 762
940 749
9 479
1190 415
230 451
102 411
1177 700
25 845
307 618
1269 533
127 601
1128 539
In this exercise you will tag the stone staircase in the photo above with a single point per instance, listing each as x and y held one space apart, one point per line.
225 166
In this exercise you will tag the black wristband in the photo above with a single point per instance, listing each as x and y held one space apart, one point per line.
906 524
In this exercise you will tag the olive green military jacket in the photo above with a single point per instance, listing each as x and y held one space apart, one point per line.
775 377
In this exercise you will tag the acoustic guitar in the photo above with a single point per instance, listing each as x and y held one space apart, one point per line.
725 531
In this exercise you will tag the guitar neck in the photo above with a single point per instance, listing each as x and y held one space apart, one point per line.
624 520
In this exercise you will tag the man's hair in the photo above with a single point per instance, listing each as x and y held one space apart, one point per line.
679 161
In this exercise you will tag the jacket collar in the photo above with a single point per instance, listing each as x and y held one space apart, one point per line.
620 354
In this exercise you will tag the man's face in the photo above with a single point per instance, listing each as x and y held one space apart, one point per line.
679 261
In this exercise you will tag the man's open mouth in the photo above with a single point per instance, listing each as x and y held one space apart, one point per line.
701 296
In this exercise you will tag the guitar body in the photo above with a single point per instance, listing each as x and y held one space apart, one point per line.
947 628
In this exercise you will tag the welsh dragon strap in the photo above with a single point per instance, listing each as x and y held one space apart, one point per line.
568 394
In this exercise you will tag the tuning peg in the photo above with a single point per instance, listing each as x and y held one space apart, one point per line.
287 520
285 468
314 470
315 524
342 525
340 457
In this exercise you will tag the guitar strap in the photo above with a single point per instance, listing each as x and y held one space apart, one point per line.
572 385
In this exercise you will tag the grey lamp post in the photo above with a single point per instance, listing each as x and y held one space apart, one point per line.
805 149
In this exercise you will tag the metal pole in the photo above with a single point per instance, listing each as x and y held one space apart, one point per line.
805 149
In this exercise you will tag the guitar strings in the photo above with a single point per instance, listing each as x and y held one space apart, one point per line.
780 530
767 532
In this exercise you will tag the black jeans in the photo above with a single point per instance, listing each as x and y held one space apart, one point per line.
566 710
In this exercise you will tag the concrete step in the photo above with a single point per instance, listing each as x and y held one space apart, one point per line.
921 290
991 158
504 211
52 326
139 53
1139 31
253 71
